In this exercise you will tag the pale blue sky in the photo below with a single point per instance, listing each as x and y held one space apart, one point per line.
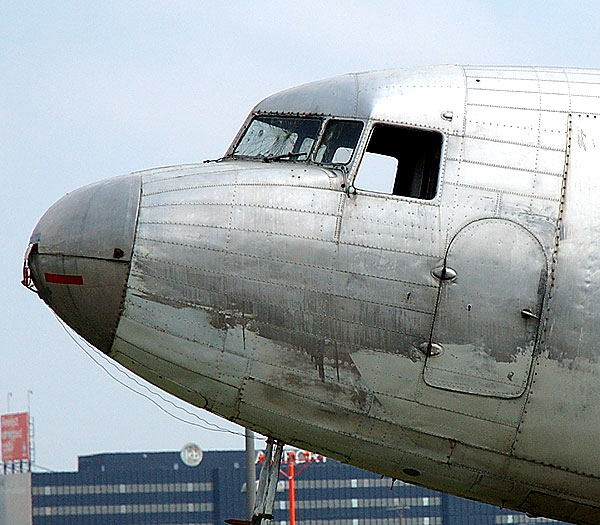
95 89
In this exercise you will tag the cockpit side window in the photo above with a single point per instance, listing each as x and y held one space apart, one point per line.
339 141
401 161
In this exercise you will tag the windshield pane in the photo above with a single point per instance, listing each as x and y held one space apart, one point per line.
269 137
339 141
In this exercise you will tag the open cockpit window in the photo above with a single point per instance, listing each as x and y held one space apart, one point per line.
279 138
401 161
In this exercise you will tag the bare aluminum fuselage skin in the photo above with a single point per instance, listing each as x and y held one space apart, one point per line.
281 297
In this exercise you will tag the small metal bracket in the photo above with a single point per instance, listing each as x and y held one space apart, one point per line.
526 313
447 115
349 189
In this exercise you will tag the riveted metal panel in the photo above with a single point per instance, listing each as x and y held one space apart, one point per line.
558 85
583 80
501 124
300 251
542 129
585 105
416 96
506 85
317 201
555 102
487 344
510 73
202 194
175 178
392 223
284 222
80 263
91 308
185 214
504 99
570 362
504 179
92 221
511 155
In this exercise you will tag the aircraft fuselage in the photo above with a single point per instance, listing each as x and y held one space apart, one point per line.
395 269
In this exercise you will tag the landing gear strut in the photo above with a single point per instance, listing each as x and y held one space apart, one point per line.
267 486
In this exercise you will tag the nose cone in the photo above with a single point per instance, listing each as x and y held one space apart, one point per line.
80 254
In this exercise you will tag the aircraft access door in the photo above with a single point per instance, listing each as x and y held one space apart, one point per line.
487 317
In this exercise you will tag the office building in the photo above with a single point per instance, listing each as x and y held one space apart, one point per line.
163 488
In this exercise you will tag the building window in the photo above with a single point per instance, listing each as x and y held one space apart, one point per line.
401 161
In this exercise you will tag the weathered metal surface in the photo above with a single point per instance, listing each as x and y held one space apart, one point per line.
271 294
488 346
570 362
92 221
80 260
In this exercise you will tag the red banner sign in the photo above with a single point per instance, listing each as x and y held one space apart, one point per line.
15 436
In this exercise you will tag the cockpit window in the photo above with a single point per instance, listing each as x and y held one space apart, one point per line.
401 161
279 138
339 141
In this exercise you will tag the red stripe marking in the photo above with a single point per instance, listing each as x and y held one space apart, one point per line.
58 278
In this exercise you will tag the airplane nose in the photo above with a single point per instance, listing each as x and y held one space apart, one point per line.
79 256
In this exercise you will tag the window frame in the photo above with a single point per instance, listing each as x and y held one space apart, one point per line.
352 159
362 150
325 120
